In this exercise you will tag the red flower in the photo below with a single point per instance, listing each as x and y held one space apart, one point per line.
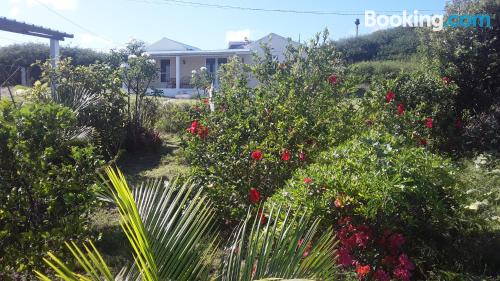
389 96
345 259
254 195
285 155
401 108
205 101
333 79
429 122
257 155
396 240
362 271
307 180
202 132
446 80
262 217
194 127
458 124
423 141
402 274
381 275
302 156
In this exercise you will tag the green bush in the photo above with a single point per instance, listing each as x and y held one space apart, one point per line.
175 117
256 137
46 184
368 70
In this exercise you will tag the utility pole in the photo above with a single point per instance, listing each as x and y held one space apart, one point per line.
357 26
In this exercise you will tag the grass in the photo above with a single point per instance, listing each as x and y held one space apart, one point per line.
162 163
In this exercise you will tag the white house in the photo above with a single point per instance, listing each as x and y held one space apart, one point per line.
176 60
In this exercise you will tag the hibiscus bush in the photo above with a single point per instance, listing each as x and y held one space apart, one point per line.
378 180
256 137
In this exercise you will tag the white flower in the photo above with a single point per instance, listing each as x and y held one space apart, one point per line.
152 61
132 56
193 71
124 65
145 54
203 68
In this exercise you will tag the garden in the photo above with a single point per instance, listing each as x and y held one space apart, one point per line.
330 168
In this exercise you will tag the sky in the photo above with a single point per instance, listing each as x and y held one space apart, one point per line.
105 24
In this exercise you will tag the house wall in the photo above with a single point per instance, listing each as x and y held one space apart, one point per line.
188 64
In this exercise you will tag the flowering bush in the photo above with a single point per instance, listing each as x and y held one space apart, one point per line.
256 137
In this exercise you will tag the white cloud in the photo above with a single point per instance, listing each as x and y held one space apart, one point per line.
56 4
238 35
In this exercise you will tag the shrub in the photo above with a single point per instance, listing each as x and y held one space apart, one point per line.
368 70
46 183
175 117
256 137
380 181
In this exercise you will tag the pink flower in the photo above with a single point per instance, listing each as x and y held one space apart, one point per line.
404 262
344 259
381 275
389 96
402 274
423 141
396 240
302 156
256 155
285 155
362 271
307 180
401 109
428 122
446 80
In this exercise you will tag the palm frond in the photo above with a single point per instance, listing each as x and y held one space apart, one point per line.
277 249
172 224
89 259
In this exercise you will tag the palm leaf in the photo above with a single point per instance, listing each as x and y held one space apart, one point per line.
278 250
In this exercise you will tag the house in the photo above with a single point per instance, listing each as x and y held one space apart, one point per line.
177 60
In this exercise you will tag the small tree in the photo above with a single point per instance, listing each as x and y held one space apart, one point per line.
201 80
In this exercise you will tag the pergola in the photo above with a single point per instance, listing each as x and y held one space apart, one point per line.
38 31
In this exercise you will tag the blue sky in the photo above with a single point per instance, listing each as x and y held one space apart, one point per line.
104 24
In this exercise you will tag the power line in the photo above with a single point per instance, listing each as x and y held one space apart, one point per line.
71 21
255 9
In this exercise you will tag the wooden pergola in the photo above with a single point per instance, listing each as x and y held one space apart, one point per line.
38 31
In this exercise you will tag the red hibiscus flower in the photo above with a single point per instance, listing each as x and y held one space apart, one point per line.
381 275
262 217
257 155
254 195
202 132
194 127
429 122
345 258
205 101
285 155
389 96
302 156
307 180
362 271
401 109
446 80
423 141
333 80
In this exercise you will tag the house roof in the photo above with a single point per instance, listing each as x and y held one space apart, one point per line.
166 44
222 52
270 38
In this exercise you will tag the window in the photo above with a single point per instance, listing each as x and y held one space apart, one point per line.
164 70
221 61
210 63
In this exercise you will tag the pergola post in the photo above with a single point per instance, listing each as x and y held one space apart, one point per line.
54 52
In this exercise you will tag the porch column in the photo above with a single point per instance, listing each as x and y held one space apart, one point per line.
177 72
216 78
54 52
